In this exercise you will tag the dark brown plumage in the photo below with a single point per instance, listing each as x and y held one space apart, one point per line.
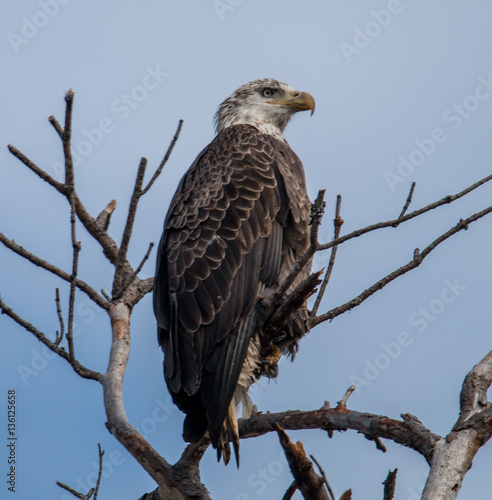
236 225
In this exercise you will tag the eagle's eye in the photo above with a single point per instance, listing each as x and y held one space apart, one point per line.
267 92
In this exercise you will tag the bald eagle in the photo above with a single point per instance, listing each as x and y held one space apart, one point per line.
235 228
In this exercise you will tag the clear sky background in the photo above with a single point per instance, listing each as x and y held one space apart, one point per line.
404 93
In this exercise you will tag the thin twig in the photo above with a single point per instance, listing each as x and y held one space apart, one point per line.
127 233
337 222
325 479
373 227
137 271
73 286
75 493
165 159
138 192
56 126
38 171
407 202
76 365
377 441
343 401
37 261
66 140
145 258
99 475
109 246
59 334
104 217
316 216
290 491
92 491
415 262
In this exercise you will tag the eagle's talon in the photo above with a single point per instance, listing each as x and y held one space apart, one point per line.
278 337
273 357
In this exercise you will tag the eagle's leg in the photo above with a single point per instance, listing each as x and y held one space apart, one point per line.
269 360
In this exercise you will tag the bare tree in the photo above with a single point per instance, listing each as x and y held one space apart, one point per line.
449 457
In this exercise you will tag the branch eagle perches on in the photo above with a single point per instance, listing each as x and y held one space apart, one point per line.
449 457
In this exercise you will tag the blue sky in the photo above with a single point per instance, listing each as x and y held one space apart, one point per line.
404 93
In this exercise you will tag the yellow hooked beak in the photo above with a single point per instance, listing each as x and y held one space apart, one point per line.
298 101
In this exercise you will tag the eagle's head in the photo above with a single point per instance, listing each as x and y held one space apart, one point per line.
267 104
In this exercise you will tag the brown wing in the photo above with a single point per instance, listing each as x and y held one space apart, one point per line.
223 241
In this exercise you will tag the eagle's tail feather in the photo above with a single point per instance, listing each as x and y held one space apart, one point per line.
233 431
230 432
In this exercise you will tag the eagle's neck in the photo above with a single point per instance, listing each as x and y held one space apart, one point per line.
273 126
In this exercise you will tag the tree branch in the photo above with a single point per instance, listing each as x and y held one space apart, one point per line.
290 491
390 485
108 245
127 233
56 126
415 262
135 274
325 479
76 493
119 283
92 491
37 261
38 171
454 453
310 484
66 140
61 333
76 246
99 474
170 486
391 223
104 218
165 159
418 438
337 222
78 367
407 202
